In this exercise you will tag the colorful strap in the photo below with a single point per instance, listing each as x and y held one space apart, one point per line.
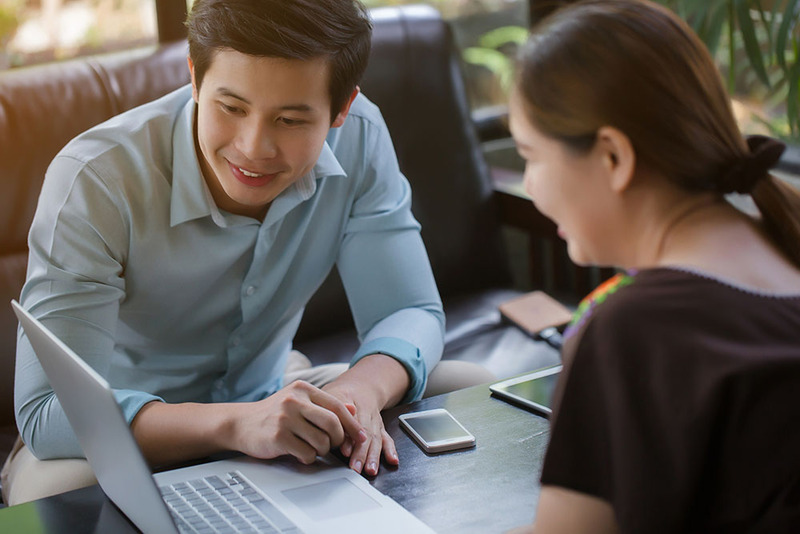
597 297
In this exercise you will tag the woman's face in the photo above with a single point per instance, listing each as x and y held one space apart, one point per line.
567 187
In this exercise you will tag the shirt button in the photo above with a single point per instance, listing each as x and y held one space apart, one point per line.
249 291
219 384
236 341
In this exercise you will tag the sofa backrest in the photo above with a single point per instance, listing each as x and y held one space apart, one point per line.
414 76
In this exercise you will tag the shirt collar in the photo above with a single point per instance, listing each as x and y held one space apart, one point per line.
191 198
303 189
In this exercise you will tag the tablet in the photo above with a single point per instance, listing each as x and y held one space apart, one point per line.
532 390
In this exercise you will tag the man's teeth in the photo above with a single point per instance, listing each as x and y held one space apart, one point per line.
249 174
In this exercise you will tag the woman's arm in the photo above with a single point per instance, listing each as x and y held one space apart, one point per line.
562 510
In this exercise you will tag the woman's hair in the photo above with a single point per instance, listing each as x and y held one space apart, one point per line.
338 30
636 66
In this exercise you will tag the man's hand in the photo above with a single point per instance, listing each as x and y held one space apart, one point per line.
299 420
376 382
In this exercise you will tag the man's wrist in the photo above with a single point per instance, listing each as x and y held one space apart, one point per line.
376 378
403 352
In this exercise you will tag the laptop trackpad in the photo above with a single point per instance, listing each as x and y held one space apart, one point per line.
331 499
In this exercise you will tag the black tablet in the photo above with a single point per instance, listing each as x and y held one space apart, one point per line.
532 390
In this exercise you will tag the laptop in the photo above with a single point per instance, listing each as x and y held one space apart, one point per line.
279 495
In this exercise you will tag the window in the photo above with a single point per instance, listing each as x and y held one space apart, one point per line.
487 32
37 31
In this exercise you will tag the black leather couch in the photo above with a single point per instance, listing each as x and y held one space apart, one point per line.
414 76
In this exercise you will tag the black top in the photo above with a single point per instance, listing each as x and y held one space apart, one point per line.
680 405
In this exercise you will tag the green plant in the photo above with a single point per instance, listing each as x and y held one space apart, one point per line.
495 52
757 45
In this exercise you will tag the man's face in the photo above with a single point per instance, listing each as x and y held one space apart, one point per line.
261 124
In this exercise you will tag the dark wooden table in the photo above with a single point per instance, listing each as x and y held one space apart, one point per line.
487 489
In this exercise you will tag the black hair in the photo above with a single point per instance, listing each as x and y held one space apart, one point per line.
338 30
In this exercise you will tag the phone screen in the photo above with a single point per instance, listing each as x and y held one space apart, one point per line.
435 426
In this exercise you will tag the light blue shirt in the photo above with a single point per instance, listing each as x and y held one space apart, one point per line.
168 297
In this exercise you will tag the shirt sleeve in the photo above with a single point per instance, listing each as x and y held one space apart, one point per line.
386 272
75 282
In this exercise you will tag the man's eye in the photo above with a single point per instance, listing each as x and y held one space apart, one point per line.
290 122
233 110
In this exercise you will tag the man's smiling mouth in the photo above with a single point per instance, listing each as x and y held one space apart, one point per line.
249 174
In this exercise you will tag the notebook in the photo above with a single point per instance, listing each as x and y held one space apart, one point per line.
259 496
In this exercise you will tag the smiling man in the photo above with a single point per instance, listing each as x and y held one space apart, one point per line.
176 246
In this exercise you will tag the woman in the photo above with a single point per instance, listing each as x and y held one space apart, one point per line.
679 410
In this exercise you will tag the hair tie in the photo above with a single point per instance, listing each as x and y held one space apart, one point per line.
743 175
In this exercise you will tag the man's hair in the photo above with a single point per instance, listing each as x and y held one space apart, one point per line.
337 30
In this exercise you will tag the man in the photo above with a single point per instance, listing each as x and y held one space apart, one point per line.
175 247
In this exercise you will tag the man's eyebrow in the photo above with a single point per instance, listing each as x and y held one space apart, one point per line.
224 91
297 107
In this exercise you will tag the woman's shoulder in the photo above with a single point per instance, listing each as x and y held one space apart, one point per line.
669 289
674 307
635 296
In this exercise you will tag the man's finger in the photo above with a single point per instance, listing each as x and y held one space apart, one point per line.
326 421
317 439
350 424
358 456
373 459
390 449
300 449
347 447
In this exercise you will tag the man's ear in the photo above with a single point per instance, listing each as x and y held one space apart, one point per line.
618 157
194 83
339 120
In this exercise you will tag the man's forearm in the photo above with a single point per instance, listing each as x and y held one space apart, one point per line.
172 433
299 420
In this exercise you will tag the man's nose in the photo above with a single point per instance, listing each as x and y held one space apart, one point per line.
256 141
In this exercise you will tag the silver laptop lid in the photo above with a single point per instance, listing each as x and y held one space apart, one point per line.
101 429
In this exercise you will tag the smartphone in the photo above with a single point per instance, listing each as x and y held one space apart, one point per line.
436 430
533 390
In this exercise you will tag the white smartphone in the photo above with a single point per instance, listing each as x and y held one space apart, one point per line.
436 430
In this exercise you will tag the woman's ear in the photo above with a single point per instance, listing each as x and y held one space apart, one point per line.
618 157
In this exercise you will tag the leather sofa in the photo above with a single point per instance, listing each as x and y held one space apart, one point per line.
414 76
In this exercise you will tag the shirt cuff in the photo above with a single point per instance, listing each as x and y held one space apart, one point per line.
132 401
405 353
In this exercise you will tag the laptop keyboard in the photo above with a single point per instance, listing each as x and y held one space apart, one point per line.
222 505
